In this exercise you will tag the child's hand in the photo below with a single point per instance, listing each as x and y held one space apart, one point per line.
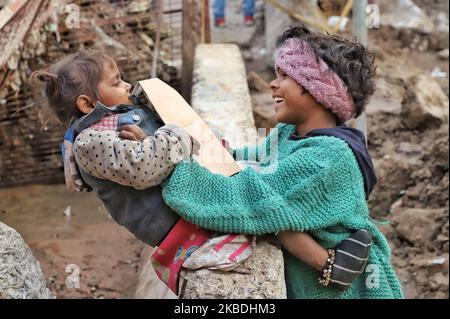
132 132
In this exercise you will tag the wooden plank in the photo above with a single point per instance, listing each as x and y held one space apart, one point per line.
206 22
10 10
14 32
190 38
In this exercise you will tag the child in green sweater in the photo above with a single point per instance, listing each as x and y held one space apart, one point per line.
320 181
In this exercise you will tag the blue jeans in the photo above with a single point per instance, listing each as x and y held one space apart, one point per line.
219 8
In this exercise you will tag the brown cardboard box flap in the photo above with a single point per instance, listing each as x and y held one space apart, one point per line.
173 109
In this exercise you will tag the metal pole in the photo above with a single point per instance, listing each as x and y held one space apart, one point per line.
359 30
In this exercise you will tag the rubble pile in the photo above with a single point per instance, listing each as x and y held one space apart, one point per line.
408 138
412 194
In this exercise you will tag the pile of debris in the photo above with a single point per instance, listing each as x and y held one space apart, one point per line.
409 141
127 30
410 154
407 135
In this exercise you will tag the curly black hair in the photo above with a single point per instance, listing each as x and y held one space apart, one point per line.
351 61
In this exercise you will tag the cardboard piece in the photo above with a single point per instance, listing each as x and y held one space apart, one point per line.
173 109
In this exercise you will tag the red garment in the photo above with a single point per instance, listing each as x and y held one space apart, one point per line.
108 123
177 246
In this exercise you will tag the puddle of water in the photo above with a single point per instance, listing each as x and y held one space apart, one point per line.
37 211
106 254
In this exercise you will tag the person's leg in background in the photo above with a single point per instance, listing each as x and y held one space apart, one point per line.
219 13
249 12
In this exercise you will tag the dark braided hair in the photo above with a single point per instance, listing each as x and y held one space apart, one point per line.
350 60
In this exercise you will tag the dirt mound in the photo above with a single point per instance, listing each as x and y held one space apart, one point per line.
412 193
410 148
412 166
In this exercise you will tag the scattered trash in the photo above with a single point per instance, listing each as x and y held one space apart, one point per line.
405 14
68 211
334 20
437 261
438 73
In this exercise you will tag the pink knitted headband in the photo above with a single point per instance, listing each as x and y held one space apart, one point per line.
297 59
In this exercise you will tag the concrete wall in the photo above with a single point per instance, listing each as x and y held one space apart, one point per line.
220 93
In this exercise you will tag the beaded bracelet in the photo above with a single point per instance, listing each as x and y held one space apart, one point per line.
326 272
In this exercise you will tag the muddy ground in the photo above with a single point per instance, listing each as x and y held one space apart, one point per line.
106 255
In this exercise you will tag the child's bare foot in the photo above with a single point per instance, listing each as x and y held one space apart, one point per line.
347 260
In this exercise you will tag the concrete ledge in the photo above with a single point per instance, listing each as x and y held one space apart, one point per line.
261 276
220 93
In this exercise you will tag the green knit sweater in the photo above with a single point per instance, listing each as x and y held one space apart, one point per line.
315 186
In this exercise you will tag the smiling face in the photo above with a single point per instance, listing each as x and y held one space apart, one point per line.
112 89
292 101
